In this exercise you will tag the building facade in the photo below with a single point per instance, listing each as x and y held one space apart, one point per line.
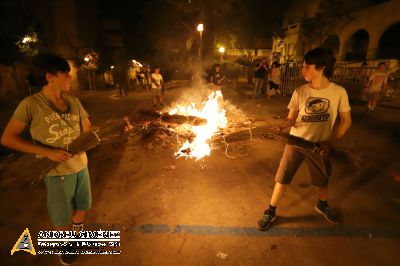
371 33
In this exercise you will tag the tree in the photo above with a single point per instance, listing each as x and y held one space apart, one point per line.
16 22
90 63
314 30
28 44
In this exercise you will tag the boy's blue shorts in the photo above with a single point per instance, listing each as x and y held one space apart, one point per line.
66 194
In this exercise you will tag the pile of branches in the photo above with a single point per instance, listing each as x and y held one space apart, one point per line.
148 123
142 122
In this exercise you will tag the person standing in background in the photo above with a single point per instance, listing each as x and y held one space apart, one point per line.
156 87
275 79
376 86
260 72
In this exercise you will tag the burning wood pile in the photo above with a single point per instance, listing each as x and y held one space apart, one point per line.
195 129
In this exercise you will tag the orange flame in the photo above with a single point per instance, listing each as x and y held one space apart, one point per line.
216 120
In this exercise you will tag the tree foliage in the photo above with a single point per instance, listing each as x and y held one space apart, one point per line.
331 13
90 61
16 21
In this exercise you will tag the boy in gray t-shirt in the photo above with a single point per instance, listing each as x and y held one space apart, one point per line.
54 120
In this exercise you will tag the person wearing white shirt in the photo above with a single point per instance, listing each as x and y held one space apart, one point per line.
156 86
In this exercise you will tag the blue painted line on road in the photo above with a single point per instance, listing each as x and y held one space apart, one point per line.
205 230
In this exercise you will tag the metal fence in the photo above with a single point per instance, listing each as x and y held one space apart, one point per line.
353 79
358 75
291 76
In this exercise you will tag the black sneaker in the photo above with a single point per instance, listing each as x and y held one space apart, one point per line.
265 222
328 213
68 259
66 256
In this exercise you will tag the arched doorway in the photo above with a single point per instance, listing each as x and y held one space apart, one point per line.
332 42
357 46
389 43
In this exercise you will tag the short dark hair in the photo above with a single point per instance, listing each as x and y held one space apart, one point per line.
47 63
321 58
381 63
275 64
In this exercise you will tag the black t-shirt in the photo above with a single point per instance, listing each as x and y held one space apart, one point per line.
260 73
216 77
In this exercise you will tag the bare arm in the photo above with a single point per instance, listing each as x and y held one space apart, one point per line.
219 82
258 67
86 125
345 123
11 138
155 82
290 120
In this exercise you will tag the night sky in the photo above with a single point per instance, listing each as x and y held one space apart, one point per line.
149 29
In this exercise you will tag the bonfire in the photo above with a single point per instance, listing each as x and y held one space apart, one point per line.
210 110
198 128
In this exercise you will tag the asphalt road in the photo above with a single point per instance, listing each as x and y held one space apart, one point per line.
185 212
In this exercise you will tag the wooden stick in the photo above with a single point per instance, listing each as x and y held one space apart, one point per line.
116 127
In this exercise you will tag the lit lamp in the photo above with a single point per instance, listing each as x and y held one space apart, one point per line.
26 39
87 68
200 28
111 77
221 50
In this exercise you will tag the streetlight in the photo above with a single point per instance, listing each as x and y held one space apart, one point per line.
200 28
26 39
221 50
111 77
87 68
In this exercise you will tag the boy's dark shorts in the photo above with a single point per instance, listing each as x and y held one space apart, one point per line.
319 166
273 85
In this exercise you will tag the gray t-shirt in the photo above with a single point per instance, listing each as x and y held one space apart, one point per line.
54 128
318 110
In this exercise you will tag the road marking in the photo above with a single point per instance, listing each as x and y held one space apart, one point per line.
205 230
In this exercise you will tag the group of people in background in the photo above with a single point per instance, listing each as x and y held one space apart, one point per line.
144 81
267 79
267 82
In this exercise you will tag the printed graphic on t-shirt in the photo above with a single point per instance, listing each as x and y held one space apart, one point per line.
65 127
316 110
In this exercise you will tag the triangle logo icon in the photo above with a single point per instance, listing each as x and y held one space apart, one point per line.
24 243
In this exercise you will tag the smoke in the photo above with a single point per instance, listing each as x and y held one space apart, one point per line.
199 88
